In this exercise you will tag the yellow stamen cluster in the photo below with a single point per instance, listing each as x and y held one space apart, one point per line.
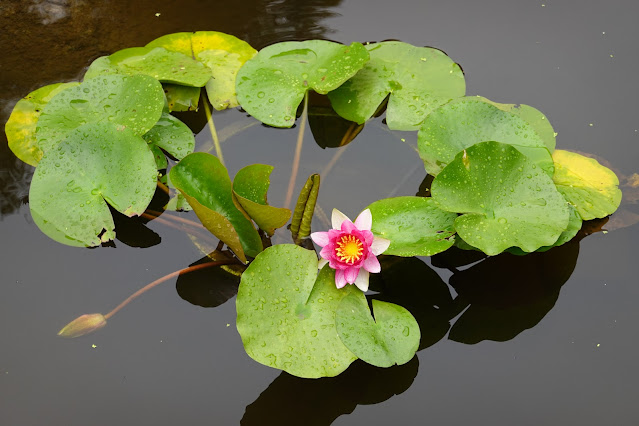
349 249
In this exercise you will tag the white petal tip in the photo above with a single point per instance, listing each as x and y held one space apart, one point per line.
364 221
321 263
337 218
380 245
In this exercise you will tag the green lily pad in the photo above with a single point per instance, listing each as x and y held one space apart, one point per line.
574 225
391 338
175 42
250 187
206 185
157 62
532 116
418 79
506 199
178 203
286 313
21 126
96 164
591 188
223 53
160 159
465 122
271 85
134 102
171 135
181 98
415 226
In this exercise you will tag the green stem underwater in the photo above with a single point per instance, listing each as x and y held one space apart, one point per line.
298 153
216 140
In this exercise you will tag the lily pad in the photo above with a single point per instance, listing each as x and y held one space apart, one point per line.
160 159
465 122
223 53
271 85
286 313
418 79
415 226
96 164
181 98
157 62
21 126
178 203
391 338
532 116
250 186
574 226
206 185
134 102
171 135
591 188
505 198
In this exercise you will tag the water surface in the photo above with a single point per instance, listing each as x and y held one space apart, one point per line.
549 339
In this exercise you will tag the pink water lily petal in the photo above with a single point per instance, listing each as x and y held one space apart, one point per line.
351 249
337 218
364 221
326 252
350 274
340 281
371 264
368 237
320 238
348 227
379 245
362 280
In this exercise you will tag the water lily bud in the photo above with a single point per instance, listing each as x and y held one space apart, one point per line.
82 325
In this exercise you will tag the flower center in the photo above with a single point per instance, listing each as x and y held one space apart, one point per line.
349 249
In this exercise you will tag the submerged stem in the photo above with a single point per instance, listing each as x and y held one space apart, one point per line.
156 214
163 279
216 140
163 187
298 152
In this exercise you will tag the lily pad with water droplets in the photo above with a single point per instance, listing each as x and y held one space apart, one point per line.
250 187
223 53
181 98
415 226
418 79
467 121
173 136
96 164
574 225
286 313
160 159
133 102
157 62
392 337
590 187
506 199
271 85
206 185
21 126
537 120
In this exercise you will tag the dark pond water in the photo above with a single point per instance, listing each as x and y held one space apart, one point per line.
546 339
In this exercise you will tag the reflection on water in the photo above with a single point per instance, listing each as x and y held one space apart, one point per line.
15 177
50 11
462 295
58 39
294 401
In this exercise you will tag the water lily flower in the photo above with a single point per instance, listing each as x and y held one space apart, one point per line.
351 249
